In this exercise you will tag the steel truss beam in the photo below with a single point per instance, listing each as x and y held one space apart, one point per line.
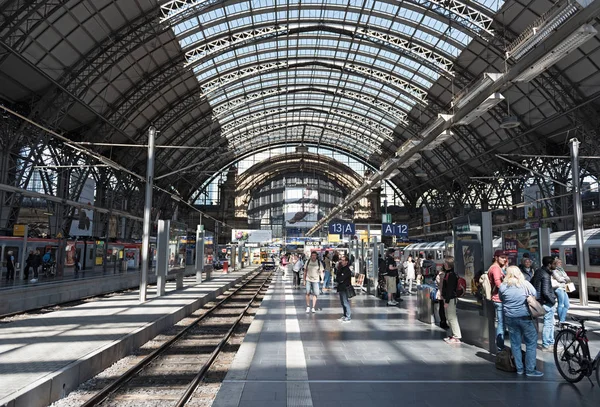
409 47
177 11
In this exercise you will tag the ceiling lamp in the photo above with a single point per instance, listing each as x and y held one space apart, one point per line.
445 135
510 122
573 41
469 94
487 104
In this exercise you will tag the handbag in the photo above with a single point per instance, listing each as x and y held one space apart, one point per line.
535 308
505 361
570 287
350 291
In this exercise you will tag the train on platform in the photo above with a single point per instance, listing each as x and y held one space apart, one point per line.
562 244
89 253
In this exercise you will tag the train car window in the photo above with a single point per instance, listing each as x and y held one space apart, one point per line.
571 256
594 253
438 255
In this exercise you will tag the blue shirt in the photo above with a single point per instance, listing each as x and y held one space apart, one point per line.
514 299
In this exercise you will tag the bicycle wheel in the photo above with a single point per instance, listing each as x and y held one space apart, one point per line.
568 359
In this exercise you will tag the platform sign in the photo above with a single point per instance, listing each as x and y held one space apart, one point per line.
342 228
393 229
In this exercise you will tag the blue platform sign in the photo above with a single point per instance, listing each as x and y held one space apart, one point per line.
342 228
392 229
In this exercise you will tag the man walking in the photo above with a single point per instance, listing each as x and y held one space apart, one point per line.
313 271
391 276
496 275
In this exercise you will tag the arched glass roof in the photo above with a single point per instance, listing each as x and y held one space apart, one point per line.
322 72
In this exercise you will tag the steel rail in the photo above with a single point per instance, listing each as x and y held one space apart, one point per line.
189 391
108 390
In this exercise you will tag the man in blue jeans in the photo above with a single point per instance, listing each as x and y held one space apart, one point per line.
542 282
496 275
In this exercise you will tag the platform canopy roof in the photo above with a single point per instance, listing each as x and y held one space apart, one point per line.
361 76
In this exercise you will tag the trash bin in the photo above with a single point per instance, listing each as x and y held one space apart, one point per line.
425 307
225 266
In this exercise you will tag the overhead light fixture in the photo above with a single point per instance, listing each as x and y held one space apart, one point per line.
572 42
510 122
410 161
470 93
407 145
540 30
420 173
487 104
445 135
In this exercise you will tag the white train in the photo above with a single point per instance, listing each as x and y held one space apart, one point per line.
562 244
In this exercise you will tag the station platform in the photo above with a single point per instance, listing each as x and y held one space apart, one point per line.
46 356
383 357
19 296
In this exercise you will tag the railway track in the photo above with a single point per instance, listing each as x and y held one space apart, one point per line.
170 375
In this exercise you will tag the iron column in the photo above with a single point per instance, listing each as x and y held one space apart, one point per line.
147 209
578 221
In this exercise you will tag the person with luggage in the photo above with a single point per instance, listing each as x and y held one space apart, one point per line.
513 293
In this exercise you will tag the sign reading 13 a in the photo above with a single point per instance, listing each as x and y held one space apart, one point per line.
391 229
342 228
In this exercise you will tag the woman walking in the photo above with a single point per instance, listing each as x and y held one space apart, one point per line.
513 292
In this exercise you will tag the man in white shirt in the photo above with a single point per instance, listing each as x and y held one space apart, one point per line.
313 272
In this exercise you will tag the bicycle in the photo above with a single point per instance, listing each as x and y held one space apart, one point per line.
572 353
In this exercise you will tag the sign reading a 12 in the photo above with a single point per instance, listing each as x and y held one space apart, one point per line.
391 229
342 228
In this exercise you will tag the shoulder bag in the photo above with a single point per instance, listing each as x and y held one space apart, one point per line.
535 308
350 291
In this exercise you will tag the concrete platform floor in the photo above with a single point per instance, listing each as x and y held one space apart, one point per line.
384 357
46 356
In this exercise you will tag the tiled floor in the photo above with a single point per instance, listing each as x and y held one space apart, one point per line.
384 357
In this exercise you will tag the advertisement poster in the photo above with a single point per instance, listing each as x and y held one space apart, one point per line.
520 242
251 235
84 218
301 207
468 251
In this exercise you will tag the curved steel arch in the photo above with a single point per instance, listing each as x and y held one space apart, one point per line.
244 155
251 178
400 43
267 93
248 120
412 91
177 11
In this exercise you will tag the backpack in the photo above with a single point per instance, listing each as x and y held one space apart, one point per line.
486 286
461 287
433 294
